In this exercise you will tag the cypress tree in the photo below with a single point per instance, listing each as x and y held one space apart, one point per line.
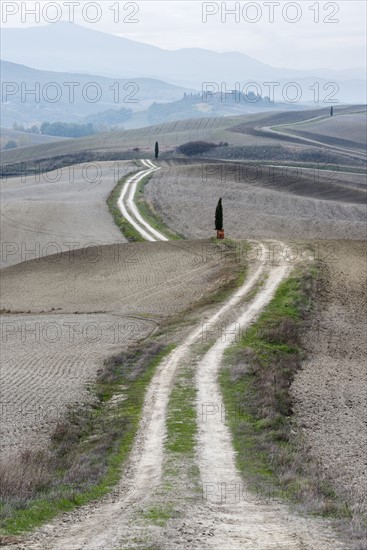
219 216
156 150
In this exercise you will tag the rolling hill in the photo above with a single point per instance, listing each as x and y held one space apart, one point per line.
69 97
24 139
243 132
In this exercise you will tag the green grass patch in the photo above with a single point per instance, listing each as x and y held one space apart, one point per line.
181 473
159 515
88 447
181 417
255 382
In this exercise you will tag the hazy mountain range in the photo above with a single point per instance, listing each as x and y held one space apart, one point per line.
139 75
31 96
72 48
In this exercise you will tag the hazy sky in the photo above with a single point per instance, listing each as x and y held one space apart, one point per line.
303 43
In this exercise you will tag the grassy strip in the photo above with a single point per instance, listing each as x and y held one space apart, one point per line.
180 468
181 417
255 383
181 474
88 448
149 214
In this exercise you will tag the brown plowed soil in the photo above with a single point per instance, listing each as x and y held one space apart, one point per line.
260 201
58 211
68 313
331 391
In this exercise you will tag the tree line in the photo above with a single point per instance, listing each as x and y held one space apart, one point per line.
59 129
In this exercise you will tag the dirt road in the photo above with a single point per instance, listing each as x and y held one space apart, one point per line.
116 523
275 131
128 208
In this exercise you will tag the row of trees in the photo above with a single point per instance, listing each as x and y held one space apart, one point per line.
20 128
63 129
59 129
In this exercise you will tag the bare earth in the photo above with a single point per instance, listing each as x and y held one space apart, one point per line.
331 391
58 211
289 206
48 361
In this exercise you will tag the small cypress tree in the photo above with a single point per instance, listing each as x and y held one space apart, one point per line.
331 111
219 216
156 150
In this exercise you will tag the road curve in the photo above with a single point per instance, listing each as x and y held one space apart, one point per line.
275 132
127 206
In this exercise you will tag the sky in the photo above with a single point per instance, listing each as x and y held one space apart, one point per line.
304 34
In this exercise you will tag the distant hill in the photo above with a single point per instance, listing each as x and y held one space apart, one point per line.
237 131
91 94
24 139
192 106
53 47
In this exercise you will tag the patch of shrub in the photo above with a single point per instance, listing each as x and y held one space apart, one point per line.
33 472
129 365
11 144
192 148
285 331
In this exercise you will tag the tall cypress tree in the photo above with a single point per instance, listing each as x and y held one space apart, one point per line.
219 216
156 150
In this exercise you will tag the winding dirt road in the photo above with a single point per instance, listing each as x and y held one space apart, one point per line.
244 523
128 209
